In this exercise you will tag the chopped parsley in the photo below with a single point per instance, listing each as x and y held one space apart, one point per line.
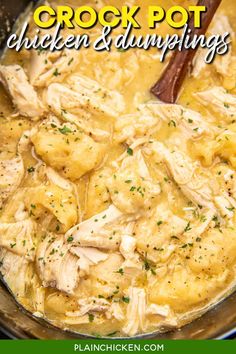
120 271
230 209
172 123
56 72
111 334
128 181
187 228
31 169
65 130
125 299
91 317
174 237
147 266
130 151
70 61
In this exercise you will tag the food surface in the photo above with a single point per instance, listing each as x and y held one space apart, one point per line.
117 212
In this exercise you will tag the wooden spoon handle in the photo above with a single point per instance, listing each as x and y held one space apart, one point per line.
168 86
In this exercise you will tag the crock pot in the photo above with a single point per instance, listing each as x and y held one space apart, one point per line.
17 323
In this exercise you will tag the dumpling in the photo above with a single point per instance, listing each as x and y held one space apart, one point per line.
205 150
227 145
159 228
67 149
60 202
213 255
108 278
181 289
223 146
98 197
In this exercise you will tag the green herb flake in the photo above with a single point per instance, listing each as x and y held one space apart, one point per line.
172 123
31 169
56 72
125 299
130 151
65 130
70 61
120 271
187 228
91 317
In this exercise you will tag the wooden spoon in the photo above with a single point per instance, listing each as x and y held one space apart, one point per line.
168 86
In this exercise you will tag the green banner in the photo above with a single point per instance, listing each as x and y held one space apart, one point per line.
117 346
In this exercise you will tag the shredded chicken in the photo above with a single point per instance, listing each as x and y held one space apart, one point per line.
115 311
219 101
131 188
11 174
18 238
192 123
193 182
90 305
47 67
142 123
58 180
82 99
135 311
14 269
128 246
23 94
57 267
95 231
88 256
195 187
